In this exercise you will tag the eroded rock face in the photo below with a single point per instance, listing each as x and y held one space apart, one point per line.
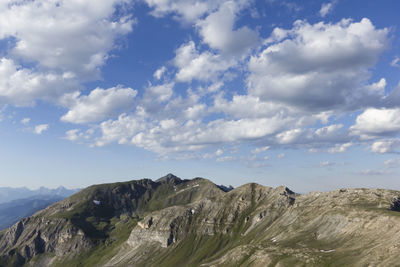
33 236
395 206
206 217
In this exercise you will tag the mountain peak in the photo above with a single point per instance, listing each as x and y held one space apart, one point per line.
167 178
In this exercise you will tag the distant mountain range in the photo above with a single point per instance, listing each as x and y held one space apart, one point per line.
18 203
175 222
8 194
15 210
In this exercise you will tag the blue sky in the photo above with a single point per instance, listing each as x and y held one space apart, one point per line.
298 93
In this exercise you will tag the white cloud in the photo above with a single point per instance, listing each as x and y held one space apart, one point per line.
217 31
159 93
196 111
298 79
184 135
378 87
121 130
49 36
320 66
395 62
21 86
281 156
219 152
39 129
341 148
73 135
385 146
329 131
204 66
289 137
392 163
168 124
260 149
25 121
159 72
99 104
377 122
245 106
47 31
326 8
188 11
76 135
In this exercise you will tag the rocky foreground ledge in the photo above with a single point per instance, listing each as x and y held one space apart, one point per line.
174 222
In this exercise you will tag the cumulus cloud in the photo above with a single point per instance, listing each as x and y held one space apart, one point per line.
205 66
39 129
217 31
187 11
99 104
77 135
45 34
73 135
341 148
377 122
159 72
246 106
377 88
159 93
385 146
21 86
320 66
120 130
184 135
299 82
289 136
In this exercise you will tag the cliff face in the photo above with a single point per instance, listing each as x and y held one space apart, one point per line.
174 222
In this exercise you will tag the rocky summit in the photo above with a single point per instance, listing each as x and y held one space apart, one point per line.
175 222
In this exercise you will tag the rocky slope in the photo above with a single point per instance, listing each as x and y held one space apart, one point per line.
174 222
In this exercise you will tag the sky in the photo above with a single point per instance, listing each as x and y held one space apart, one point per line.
298 93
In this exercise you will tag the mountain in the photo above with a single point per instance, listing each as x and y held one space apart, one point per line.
8 194
174 222
15 210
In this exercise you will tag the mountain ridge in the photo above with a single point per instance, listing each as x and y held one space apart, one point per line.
194 222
